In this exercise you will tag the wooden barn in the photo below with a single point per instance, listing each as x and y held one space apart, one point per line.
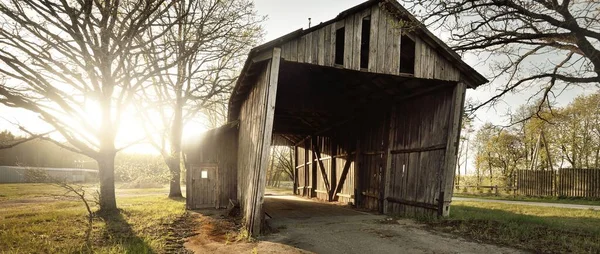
371 101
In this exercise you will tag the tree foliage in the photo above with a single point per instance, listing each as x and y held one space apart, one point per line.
562 137
544 45
208 44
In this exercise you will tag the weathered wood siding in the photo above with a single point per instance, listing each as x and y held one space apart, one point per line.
419 133
401 161
318 47
255 133
217 147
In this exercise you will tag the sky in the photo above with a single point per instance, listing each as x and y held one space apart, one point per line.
285 16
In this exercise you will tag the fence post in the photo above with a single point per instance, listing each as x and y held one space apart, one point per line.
496 190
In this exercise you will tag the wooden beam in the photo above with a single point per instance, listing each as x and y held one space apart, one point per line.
317 153
420 149
412 203
256 221
388 158
340 185
449 168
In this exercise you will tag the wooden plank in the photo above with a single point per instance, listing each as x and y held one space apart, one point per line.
381 41
454 124
390 41
308 57
357 168
348 44
395 54
343 176
411 203
258 175
420 149
327 60
388 157
332 42
294 50
356 41
315 47
321 46
418 61
302 49
373 39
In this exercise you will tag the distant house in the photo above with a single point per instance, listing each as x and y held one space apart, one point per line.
11 174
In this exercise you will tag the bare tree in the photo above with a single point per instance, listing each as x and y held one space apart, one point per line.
208 45
57 57
281 164
545 45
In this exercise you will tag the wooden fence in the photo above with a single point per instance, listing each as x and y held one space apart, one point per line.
565 182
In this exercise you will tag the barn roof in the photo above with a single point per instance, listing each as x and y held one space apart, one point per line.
473 78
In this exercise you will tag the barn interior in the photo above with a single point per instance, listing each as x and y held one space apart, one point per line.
324 112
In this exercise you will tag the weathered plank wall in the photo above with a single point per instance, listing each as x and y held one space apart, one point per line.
326 180
419 133
401 155
218 147
372 160
255 133
318 47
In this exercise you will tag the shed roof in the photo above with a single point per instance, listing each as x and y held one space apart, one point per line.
473 78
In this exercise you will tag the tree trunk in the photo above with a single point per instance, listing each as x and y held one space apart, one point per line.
106 173
174 161
175 169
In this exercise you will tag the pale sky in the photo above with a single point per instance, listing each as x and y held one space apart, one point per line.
285 16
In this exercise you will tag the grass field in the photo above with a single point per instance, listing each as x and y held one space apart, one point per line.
540 229
33 220
577 201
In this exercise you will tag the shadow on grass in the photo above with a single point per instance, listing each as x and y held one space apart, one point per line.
118 231
548 233
178 199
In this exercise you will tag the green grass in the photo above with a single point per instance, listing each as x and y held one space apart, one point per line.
142 226
577 201
540 229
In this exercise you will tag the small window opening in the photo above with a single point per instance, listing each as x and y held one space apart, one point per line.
407 55
204 174
364 42
340 37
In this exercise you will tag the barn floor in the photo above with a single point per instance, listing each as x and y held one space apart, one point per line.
318 227
279 206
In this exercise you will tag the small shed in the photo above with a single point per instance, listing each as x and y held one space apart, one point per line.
371 101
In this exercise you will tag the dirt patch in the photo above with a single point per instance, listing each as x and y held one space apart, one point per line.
217 233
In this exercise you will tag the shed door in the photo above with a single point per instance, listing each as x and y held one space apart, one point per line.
204 186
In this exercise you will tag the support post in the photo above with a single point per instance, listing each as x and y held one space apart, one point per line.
388 164
454 126
255 222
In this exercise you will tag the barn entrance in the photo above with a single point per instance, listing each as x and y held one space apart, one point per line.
341 123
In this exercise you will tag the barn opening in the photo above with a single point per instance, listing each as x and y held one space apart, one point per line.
364 42
340 40
380 138
407 55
